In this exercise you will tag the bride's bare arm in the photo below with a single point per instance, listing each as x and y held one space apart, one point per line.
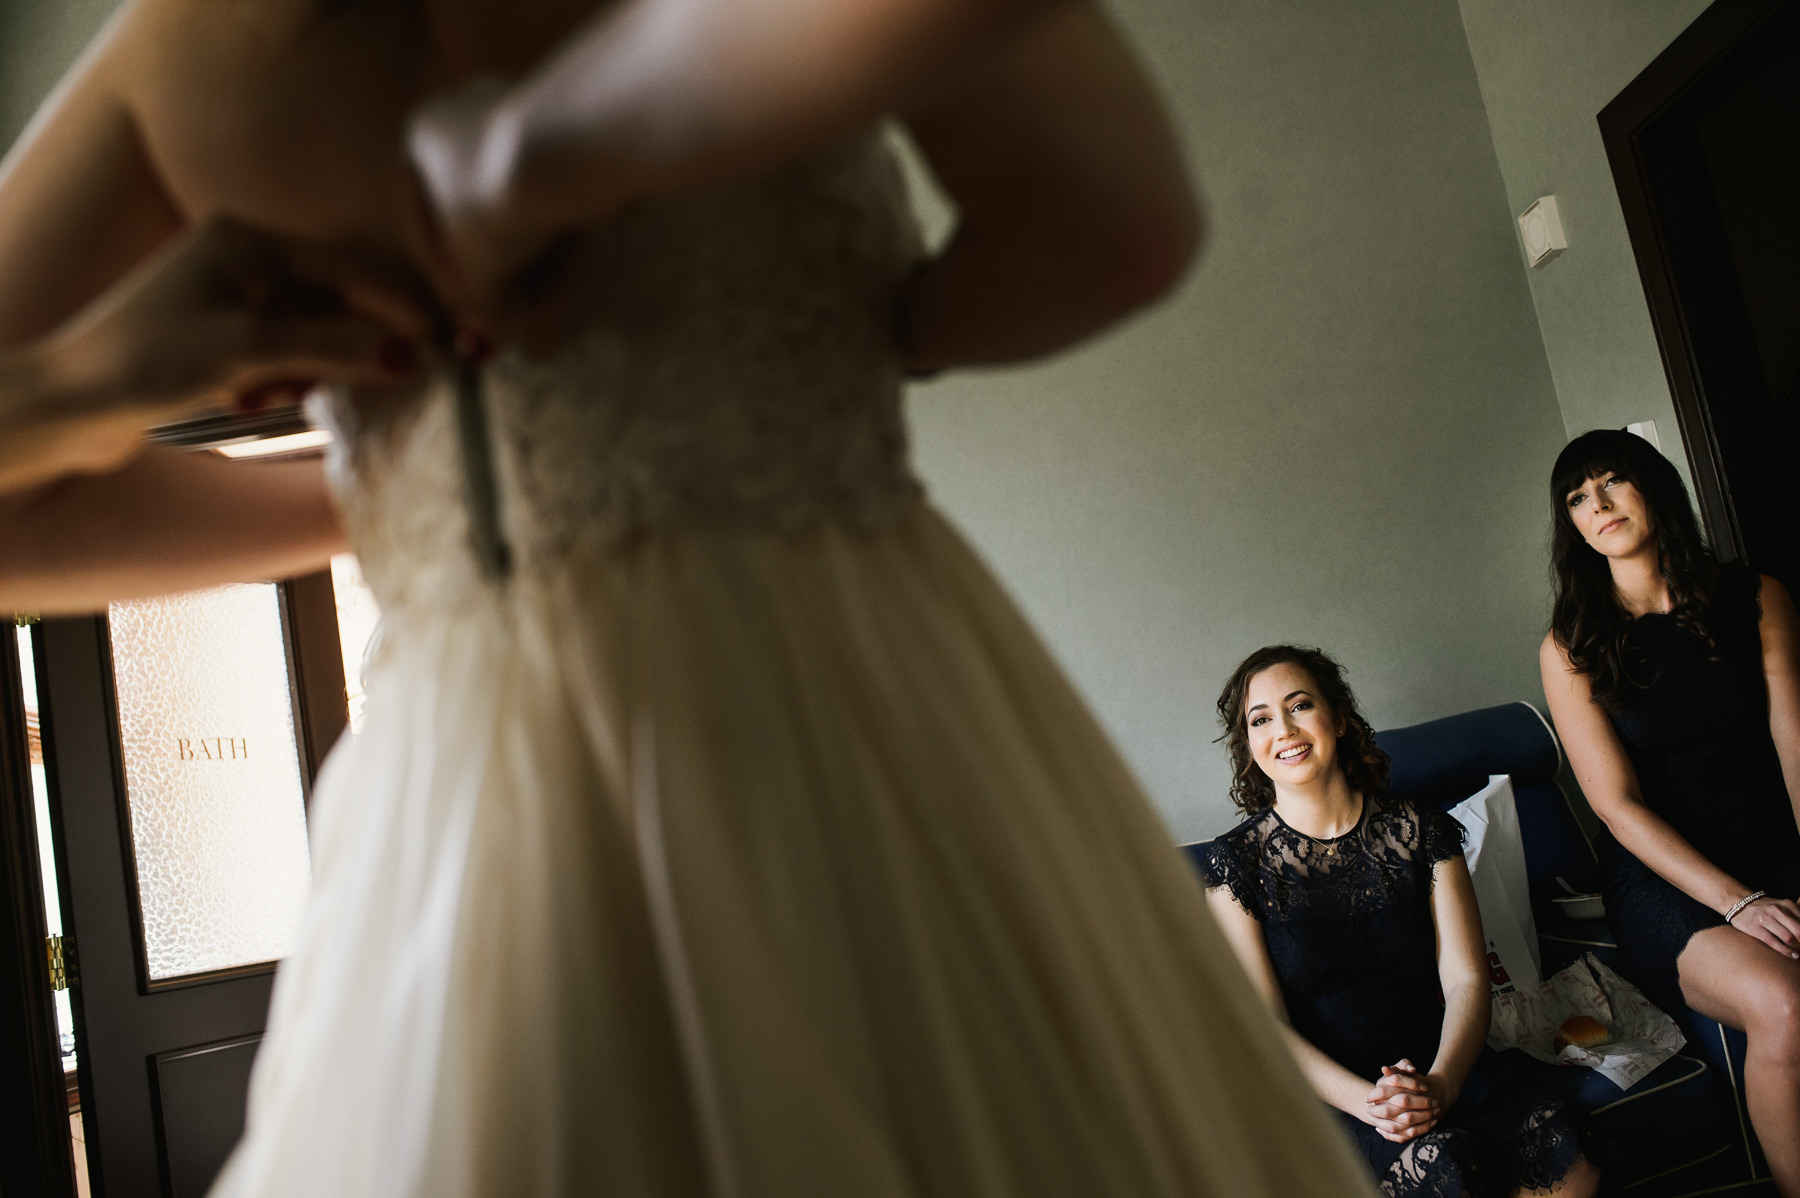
168 521
1030 109
80 208
80 201
1074 206
222 313
654 96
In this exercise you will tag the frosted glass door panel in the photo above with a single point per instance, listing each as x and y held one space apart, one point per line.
212 775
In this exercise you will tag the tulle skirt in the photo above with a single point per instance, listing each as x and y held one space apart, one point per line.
748 863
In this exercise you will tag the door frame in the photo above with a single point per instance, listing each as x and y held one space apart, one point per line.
35 1156
1633 118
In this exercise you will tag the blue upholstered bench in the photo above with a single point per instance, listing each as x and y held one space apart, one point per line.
1679 1131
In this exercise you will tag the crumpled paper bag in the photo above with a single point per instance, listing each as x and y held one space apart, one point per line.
1642 1036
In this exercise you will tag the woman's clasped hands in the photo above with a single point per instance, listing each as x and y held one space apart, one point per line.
1405 1103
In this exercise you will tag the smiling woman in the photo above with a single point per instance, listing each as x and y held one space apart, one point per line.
1249 725
1351 910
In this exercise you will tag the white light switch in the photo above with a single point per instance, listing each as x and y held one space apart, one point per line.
1541 227
1647 430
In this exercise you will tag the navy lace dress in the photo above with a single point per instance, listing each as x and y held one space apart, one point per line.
1697 733
1349 930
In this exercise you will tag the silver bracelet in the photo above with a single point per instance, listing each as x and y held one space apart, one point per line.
1742 903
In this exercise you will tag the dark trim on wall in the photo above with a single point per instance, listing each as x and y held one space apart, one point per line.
1636 116
316 664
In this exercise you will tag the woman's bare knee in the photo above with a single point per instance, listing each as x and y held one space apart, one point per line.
1740 982
1772 1022
1769 1010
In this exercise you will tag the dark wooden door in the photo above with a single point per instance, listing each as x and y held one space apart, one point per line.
167 1028
1703 150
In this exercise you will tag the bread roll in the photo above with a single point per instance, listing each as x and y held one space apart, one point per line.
1582 1032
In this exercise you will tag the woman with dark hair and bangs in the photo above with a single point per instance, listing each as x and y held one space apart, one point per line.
1353 913
1675 685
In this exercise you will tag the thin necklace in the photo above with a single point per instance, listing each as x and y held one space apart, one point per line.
1330 843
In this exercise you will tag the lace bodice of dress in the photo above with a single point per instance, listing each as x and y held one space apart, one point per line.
1276 872
1348 924
1349 929
731 364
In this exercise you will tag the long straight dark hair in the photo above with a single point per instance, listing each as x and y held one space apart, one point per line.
1588 621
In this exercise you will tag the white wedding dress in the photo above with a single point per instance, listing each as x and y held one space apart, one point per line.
744 842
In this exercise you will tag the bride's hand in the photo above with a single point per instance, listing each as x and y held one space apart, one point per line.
486 253
224 316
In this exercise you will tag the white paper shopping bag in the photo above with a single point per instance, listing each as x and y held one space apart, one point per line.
1496 856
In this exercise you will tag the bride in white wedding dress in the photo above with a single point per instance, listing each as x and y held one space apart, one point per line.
741 840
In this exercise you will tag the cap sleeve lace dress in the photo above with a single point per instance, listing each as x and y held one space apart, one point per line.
1349 930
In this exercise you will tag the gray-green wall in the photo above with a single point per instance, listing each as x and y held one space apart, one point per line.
1547 68
1337 433
38 41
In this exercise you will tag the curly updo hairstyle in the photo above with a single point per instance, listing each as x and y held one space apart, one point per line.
1587 618
1365 766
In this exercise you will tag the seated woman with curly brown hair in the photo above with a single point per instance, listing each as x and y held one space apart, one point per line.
1353 913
